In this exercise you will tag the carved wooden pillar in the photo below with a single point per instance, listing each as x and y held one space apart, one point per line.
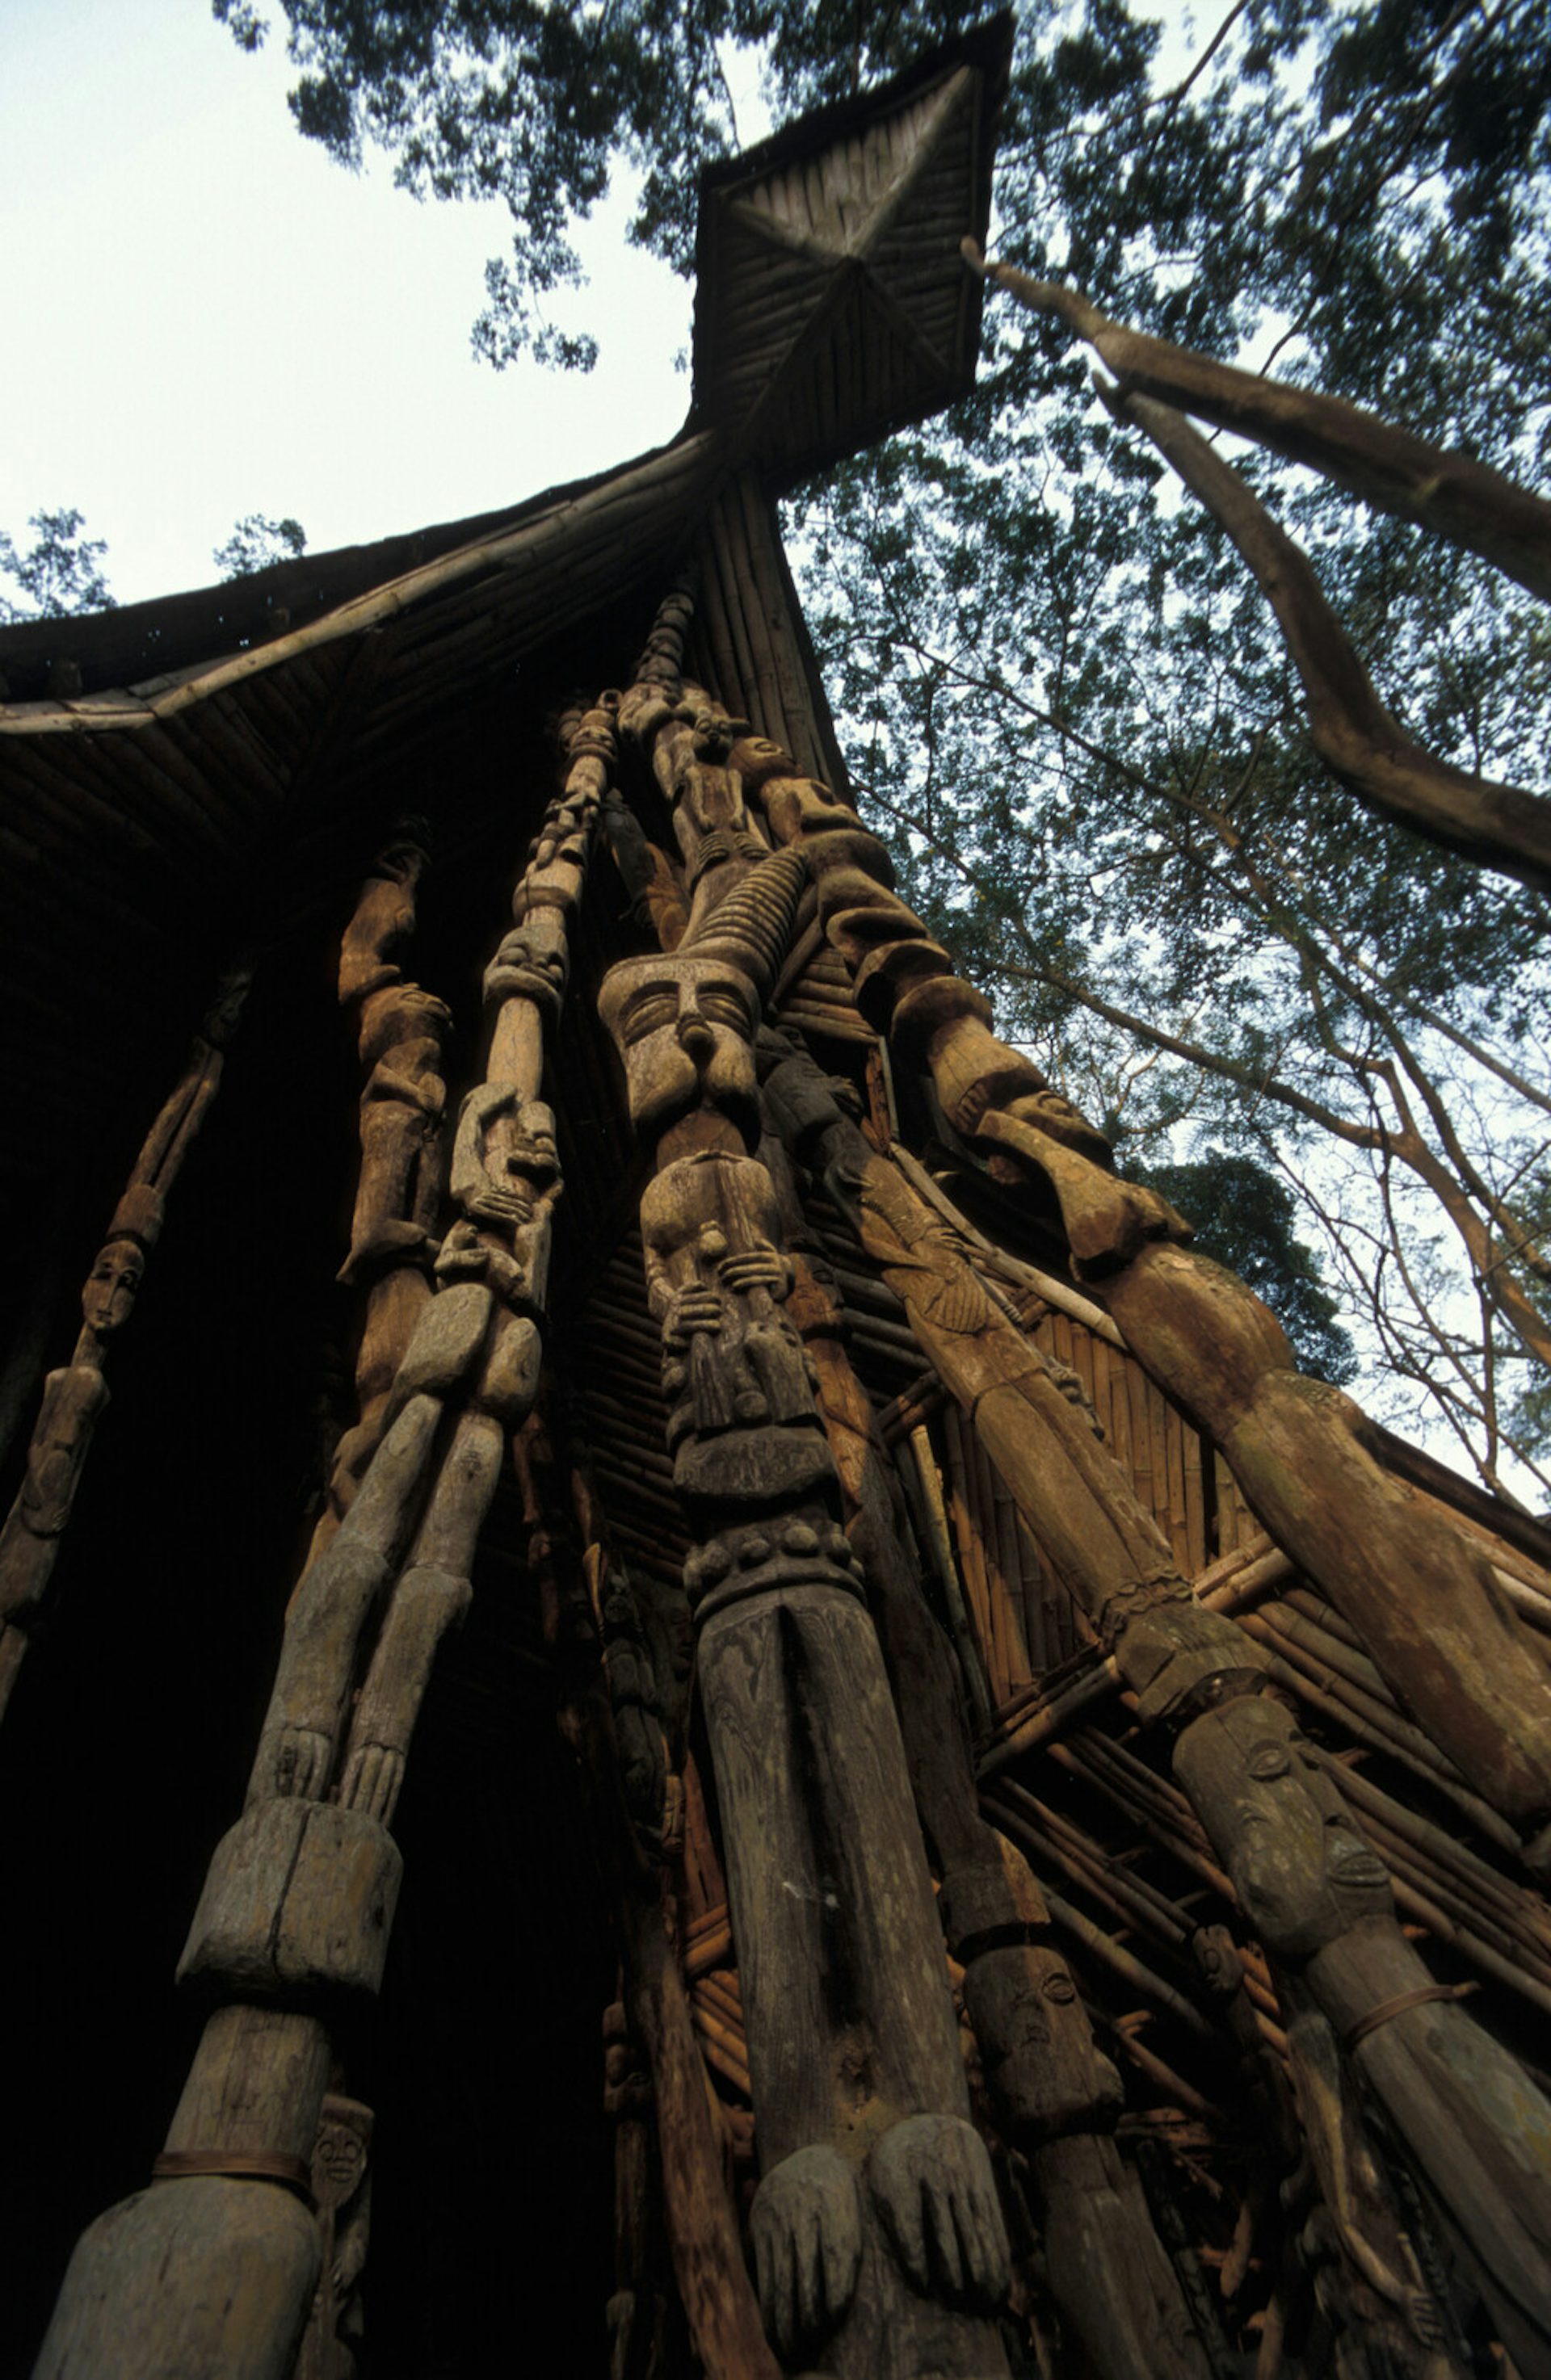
1316 1893
401 1031
292 1926
1319 1898
75 1396
1055 2094
1424 1598
623 1729
876 2229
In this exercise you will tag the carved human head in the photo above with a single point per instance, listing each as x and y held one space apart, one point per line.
1052 1112
399 1014
684 1027
108 1296
340 2149
757 760
533 1151
1044 2070
532 960
1302 1871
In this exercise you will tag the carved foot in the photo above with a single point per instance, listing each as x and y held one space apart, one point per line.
806 2224
932 2181
302 1756
373 1778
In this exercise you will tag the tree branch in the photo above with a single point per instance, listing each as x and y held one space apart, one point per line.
1496 826
1450 494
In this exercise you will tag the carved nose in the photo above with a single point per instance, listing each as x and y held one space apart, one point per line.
695 1035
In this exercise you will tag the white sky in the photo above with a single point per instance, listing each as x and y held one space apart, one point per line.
205 317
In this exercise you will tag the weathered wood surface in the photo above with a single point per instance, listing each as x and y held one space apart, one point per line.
401 1033
876 2232
627 1729
1319 1898
246 2259
1427 1604
1055 2096
299 1897
1304 1873
342 2190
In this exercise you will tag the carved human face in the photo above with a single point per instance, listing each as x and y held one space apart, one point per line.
400 1016
756 758
684 1027
339 2155
109 1293
534 1153
1302 1872
1034 2037
532 960
1055 1114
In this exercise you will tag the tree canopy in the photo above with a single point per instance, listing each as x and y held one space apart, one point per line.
61 571
1054 674
256 542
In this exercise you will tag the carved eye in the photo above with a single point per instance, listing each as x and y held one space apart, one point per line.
1059 1988
1269 1761
723 1008
652 1012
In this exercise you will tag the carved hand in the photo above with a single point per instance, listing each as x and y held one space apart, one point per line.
690 1309
301 1764
806 2227
932 2179
374 1773
756 1268
491 1202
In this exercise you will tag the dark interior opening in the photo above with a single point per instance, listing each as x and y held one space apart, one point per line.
125 1751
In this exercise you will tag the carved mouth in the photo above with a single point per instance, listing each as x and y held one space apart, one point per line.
1354 1865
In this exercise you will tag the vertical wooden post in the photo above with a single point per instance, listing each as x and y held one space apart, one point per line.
1430 1612
210 2273
877 2230
1317 1894
74 1396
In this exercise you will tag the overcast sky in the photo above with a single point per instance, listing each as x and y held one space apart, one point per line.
205 317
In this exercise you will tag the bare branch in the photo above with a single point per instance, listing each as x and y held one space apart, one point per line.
1497 826
1450 494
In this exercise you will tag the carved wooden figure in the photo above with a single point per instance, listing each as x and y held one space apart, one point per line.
1319 1898
1055 2094
626 1728
293 1921
1430 1612
1361 2152
401 1033
1366 2278
342 2190
1287 1844
877 2230
75 1395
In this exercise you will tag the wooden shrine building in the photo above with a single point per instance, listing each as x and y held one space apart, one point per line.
767 1731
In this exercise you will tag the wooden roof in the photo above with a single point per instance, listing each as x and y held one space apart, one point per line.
151 757
830 290
830 307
